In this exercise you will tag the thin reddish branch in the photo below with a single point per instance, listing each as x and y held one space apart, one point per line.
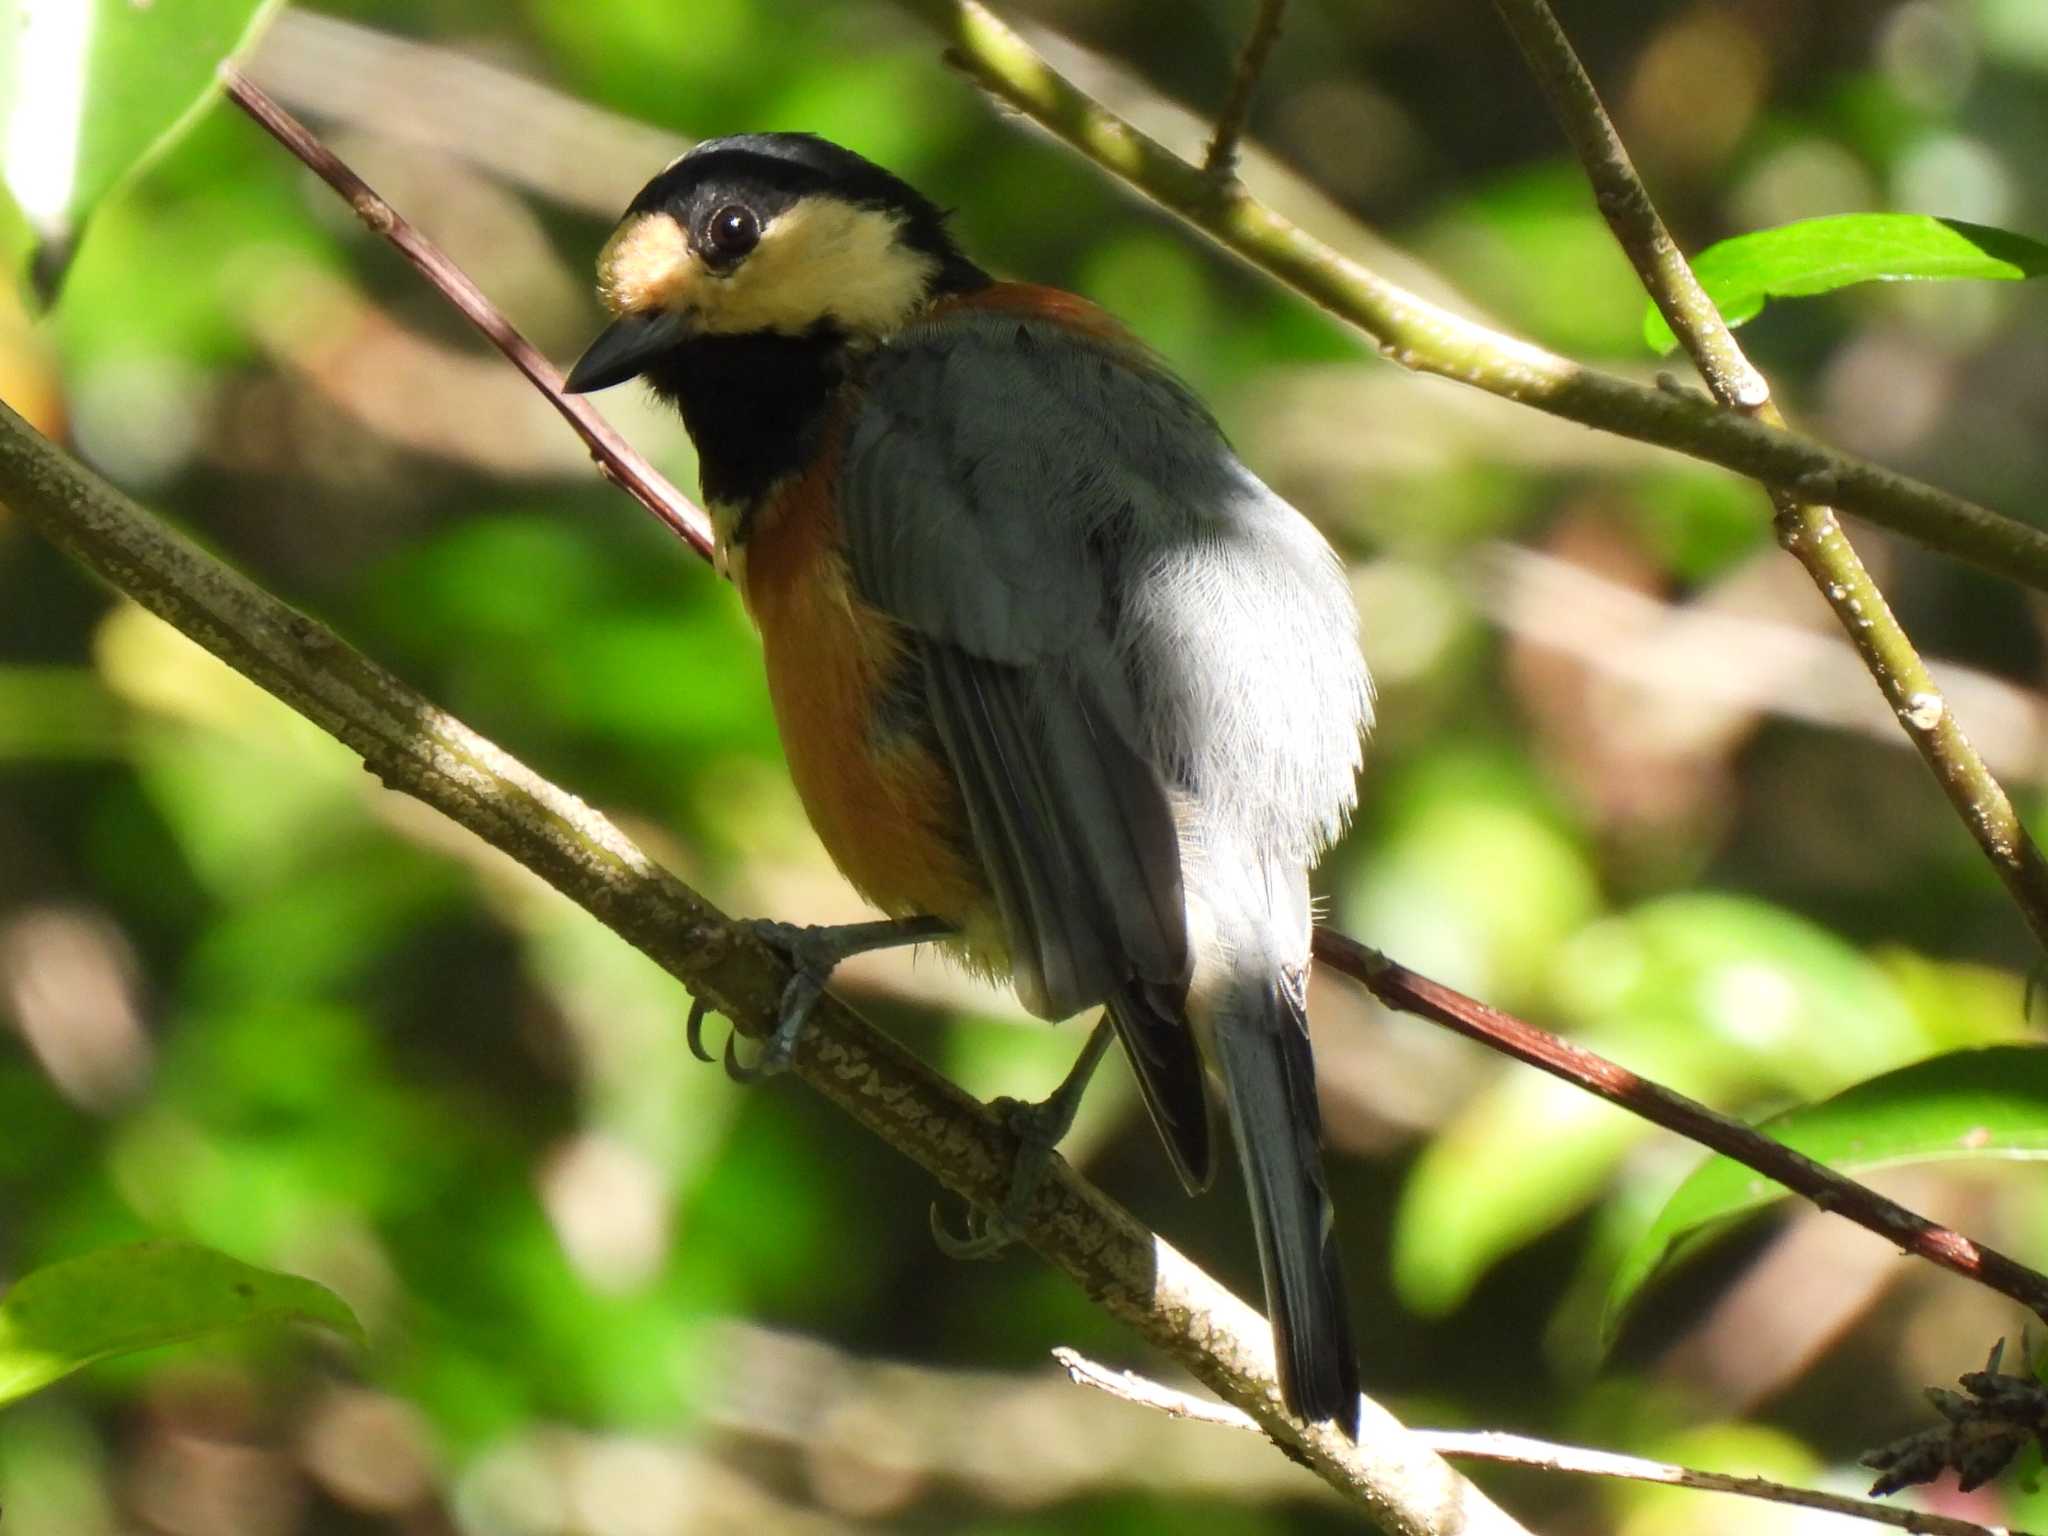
614 455
1408 992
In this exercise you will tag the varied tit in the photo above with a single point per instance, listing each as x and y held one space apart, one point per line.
1059 680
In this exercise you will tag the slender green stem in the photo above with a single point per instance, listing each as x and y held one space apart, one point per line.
1425 337
1625 203
1221 161
1806 526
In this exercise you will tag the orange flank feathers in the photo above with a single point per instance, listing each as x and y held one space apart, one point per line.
881 803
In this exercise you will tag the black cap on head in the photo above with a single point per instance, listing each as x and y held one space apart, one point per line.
772 171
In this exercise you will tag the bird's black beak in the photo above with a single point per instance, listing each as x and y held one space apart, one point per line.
623 350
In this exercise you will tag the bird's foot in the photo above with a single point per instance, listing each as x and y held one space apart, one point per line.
813 953
1039 1128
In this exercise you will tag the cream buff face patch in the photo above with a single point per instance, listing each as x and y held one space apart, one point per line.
820 259
646 265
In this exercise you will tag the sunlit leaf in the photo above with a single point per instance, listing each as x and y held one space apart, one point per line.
1802 1012
1990 1103
94 90
1820 255
119 1300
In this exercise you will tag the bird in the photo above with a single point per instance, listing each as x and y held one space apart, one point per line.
1061 684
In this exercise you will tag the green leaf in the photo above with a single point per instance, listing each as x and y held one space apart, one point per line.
1990 1103
67 1315
1820 255
96 89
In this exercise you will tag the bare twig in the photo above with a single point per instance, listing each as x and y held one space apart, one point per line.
1423 336
1407 991
1539 1455
1806 526
1147 1393
613 454
1221 162
1545 1456
1010 1440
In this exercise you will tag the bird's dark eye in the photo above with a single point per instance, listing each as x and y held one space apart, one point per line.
730 233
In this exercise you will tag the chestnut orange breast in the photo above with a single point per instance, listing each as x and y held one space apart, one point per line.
882 802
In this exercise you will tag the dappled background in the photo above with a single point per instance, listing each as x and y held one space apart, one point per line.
1628 781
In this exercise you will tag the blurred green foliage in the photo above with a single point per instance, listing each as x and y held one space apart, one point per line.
255 1001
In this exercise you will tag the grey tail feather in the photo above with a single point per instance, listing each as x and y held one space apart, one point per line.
1264 1048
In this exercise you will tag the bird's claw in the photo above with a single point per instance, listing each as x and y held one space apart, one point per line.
693 1032
775 1057
767 1064
1038 1128
987 1234
813 954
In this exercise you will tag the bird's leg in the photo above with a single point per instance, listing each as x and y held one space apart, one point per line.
813 953
1039 1129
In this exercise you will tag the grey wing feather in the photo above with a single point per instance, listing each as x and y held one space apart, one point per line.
1150 1021
1127 640
1073 828
1015 490
950 490
1078 841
